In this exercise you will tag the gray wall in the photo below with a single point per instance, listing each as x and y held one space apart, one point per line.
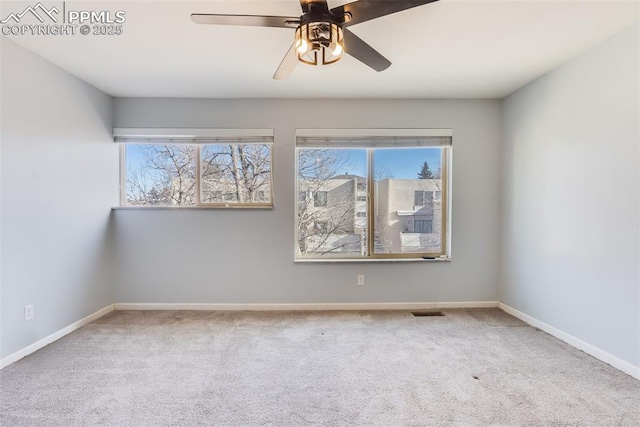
245 256
570 198
59 180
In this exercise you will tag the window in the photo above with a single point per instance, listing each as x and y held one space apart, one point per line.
423 226
320 199
196 167
405 174
422 198
241 171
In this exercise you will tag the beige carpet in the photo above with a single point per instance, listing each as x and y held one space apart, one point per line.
471 367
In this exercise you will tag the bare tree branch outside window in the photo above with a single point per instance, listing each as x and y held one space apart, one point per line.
323 174
165 175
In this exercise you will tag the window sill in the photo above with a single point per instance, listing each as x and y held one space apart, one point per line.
316 260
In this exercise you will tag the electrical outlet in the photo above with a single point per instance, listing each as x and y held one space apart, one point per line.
28 312
360 279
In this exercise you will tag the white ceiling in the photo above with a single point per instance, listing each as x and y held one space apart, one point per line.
447 49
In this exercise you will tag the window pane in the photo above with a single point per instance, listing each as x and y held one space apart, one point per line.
160 175
328 223
236 173
408 218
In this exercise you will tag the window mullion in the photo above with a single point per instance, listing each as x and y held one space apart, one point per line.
198 173
370 236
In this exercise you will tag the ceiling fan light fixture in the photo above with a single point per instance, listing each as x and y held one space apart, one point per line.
302 46
336 49
319 43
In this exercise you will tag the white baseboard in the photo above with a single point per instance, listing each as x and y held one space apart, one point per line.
468 304
600 354
307 306
54 336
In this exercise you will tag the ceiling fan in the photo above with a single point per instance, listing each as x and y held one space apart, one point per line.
321 34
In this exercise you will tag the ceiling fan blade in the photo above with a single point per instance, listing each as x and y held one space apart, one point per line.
250 20
364 53
366 10
305 4
287 65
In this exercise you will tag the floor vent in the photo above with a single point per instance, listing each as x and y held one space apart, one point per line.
427 313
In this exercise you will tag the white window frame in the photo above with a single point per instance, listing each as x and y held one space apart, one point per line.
366 138
197 137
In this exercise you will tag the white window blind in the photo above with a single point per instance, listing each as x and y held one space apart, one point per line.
191 136
374 138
